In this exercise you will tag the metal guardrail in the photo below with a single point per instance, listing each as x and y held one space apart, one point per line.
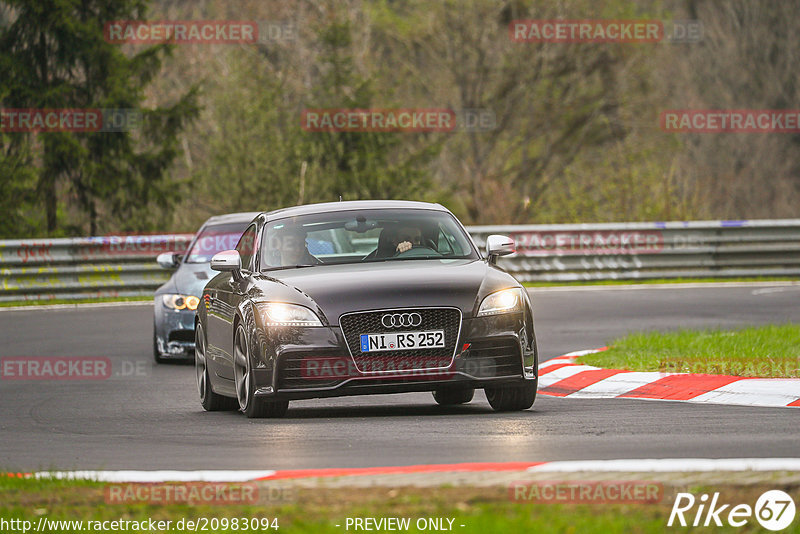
46 269
86 267
631 251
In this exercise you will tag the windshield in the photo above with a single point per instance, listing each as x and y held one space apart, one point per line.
363 236
213 239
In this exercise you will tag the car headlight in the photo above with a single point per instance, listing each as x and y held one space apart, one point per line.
180 302
282 314
505 301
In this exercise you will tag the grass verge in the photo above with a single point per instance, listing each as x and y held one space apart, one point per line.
479 510
765 351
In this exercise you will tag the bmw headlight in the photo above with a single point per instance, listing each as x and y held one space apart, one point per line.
505 301
180 302
283 314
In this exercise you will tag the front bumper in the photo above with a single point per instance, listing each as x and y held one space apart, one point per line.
315 362
174 332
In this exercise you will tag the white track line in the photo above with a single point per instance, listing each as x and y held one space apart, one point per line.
668 465
157 476
660 465
629 287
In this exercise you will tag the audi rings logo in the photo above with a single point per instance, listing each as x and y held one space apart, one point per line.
397 320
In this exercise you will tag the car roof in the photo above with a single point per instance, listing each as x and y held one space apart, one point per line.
245 216
349 205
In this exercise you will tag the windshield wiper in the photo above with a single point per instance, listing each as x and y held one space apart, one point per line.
379 260
282 267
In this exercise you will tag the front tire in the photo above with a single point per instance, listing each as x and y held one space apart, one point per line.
451 397
512 397
250 405
211 402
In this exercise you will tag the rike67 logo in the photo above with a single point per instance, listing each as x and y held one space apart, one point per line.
774 510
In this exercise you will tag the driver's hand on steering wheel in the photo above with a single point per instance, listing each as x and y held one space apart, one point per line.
402 247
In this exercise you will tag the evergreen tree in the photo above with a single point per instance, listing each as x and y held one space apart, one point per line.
53 55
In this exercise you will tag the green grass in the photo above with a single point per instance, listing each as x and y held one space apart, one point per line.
635 281
480 510
766 351
70 301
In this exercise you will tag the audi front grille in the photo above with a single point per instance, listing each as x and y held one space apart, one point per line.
370 322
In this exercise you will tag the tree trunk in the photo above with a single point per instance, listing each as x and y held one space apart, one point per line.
47 179
92 218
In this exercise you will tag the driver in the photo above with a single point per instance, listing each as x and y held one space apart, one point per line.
293 247
407 236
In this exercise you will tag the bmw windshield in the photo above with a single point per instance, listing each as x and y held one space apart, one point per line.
363 236
213 239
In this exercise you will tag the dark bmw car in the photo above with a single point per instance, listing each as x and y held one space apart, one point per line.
367 297
176 300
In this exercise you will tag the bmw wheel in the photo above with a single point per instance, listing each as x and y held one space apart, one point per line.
211 401
249 404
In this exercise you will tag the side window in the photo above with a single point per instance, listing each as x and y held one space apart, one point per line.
246 247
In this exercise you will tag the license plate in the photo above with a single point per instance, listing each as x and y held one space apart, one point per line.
430 339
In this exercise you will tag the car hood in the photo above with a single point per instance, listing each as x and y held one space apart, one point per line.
337 289
189 279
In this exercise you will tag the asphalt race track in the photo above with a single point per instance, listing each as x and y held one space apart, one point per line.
149 417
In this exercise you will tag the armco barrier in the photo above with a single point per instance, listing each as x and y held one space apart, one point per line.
79 268
626 251
44 269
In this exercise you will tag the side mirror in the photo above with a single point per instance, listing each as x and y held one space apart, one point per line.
168 260
499 245
227 261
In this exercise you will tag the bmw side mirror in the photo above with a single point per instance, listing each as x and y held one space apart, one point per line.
168 260
227 261
499 245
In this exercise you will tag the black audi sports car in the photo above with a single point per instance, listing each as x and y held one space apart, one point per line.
365 297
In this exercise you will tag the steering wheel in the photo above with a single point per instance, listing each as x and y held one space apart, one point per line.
417 250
